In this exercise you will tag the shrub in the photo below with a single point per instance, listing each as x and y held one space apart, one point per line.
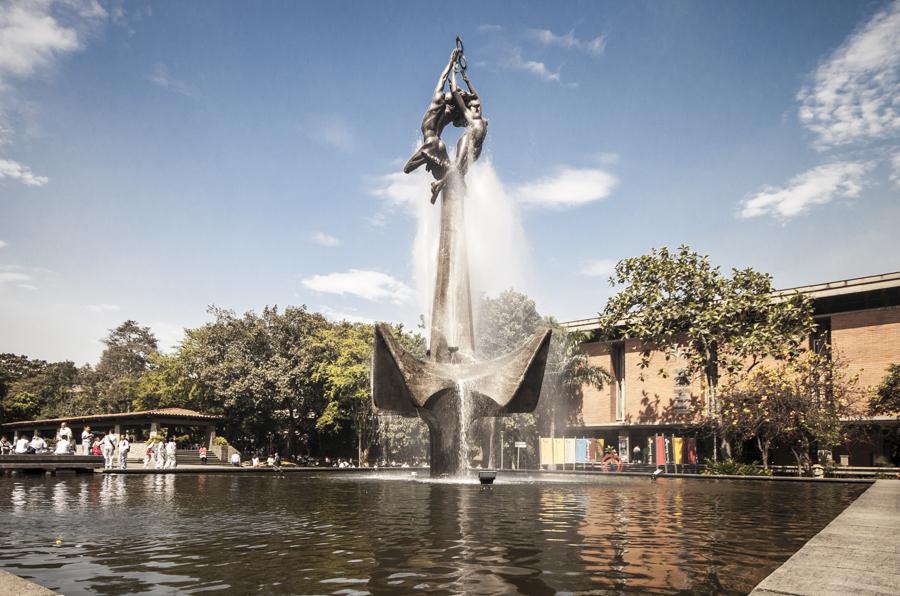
221 441
729 467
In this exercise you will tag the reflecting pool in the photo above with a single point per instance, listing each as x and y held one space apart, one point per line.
343 533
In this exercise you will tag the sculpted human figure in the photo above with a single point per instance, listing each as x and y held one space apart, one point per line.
468 148
441 111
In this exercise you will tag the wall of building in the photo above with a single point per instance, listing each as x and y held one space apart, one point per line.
648 400
869 341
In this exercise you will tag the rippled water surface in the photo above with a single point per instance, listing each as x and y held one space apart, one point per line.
342 533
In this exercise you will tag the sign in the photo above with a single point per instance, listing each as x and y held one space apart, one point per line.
521 444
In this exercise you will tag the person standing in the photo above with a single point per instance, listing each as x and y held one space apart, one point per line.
87 440
64 432
108 446
148 456
171 461
636 455
124 447
203 455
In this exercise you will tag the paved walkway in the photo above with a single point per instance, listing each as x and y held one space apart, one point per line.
857 553
13 584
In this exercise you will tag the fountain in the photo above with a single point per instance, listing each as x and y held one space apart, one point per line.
450 387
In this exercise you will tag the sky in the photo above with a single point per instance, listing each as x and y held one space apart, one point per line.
159 158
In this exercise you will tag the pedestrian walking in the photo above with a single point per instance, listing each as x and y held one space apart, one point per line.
202 451
171 460
108 447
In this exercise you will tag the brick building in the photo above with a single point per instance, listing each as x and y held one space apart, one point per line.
859 318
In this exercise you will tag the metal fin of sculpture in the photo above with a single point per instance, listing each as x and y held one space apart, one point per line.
451 387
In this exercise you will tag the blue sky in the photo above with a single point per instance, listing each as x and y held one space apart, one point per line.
156 158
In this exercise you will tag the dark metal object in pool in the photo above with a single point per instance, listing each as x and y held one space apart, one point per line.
487 476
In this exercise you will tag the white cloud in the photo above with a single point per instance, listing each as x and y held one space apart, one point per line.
370 285
323 239
489 28
539 69
402 190
853 95
13 276
336 315
570 187
13 170
161 77
33 33
817 186
895 169
104 307
595 46
333 131
3 243
27 286
599 268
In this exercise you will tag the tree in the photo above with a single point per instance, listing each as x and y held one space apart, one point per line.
679 304
886 401
261 368
799 403
345 372
129 348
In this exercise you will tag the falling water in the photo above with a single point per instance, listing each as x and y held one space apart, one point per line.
465 418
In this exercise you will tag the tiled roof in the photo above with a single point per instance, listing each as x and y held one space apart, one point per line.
158 413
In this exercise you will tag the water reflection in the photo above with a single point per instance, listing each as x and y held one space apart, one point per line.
243 534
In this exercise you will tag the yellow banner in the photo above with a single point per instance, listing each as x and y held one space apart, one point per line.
546 451
677 443
559 451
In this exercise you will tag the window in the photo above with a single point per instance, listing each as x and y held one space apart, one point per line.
618 364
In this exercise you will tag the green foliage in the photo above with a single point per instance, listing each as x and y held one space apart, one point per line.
220 441
128 353
679 304
729 467
886 400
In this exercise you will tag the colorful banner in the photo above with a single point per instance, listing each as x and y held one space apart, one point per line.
559 451
581 451
677 448
546 447
660 450
691 450
570 451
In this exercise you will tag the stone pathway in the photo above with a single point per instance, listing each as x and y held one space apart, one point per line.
857 553
15 585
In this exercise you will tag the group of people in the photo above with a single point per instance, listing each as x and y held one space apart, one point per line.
162 454
106 445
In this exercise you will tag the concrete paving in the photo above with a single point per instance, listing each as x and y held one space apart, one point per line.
16 586
857 553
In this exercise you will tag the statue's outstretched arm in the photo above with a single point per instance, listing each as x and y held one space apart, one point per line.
469 83
446 73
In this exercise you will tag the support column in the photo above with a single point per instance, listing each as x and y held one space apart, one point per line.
154 429
209 436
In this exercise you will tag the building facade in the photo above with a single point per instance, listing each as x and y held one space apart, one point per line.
859 318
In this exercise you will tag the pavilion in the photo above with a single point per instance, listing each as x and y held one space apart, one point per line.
139 426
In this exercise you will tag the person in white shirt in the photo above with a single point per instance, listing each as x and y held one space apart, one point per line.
171 461
108 446
124 447
160 449
38 444
22 445
235 459
87 439
62 447
64 432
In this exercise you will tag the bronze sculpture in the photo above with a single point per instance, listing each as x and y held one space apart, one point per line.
451 387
